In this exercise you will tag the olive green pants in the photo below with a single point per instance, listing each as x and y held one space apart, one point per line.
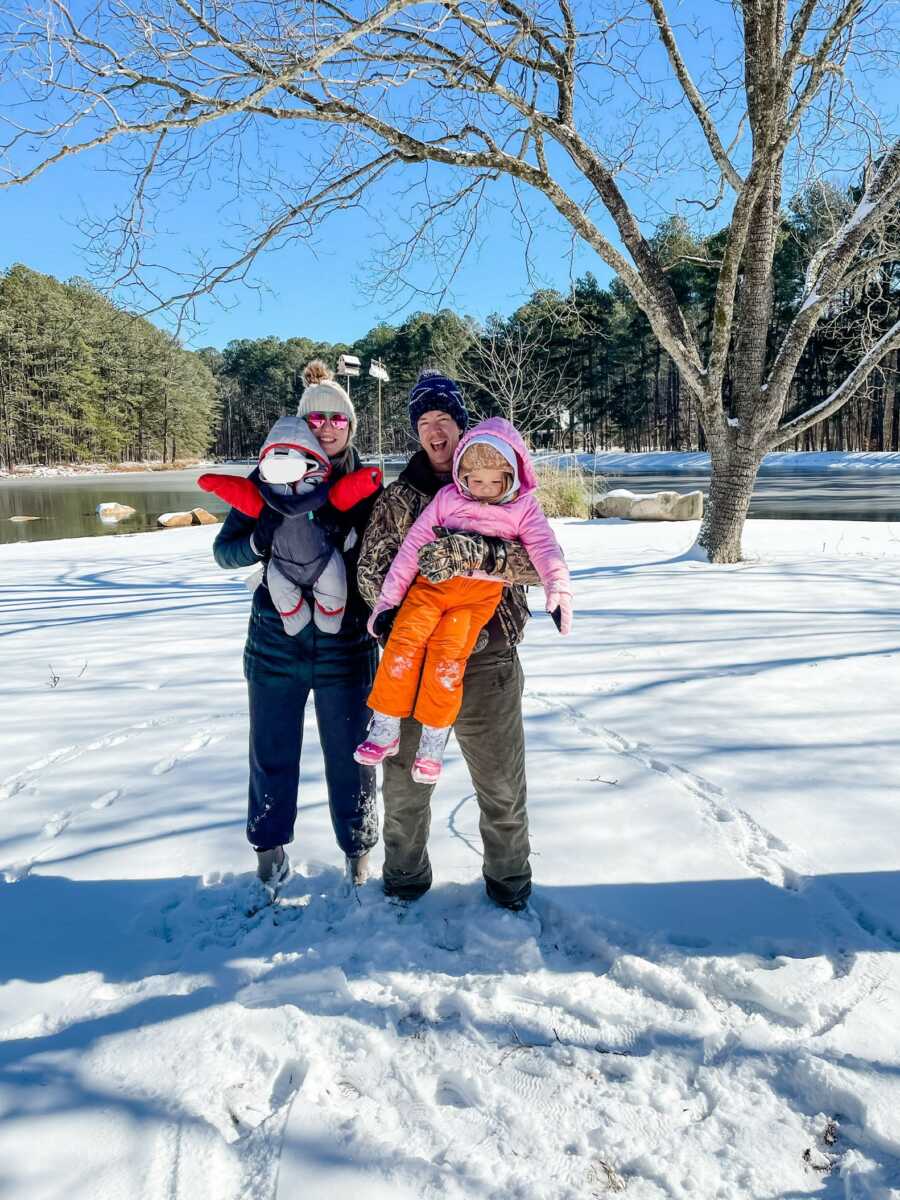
492 740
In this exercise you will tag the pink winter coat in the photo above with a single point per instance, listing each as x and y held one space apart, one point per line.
519 518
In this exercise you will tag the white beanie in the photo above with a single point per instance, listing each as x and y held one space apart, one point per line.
324 394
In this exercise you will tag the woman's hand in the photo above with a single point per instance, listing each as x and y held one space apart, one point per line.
263 534
559 606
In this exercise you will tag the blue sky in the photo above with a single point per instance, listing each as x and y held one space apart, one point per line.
310 291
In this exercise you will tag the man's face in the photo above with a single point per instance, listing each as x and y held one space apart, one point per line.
439 435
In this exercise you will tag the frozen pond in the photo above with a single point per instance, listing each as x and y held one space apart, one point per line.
66 507
803 496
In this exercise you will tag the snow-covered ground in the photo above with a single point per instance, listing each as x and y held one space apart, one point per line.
674 462
81 470
703 1003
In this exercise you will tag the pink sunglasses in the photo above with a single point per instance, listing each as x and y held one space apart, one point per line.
337 420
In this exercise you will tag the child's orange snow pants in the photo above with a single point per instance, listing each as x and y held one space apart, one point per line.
435 631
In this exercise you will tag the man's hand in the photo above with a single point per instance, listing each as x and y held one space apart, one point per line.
380 624
459 554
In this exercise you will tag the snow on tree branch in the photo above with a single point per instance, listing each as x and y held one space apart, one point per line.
874 358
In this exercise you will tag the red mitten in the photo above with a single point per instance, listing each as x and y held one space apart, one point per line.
240 493
358 485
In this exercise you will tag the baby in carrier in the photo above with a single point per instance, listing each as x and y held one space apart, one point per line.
305 573
437 625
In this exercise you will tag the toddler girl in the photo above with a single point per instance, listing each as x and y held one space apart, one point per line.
435 630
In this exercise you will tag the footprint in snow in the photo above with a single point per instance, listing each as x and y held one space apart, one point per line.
199 741
106 799
458 1091
57 823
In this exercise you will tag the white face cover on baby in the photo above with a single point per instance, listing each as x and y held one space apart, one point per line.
284 466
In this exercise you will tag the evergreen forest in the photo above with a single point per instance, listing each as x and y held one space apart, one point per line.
82 380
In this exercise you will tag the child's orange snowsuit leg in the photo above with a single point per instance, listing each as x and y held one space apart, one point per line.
443 619
397 679
470 604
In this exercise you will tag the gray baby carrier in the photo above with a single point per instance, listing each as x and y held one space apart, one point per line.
305 575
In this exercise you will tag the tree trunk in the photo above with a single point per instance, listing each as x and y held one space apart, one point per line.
734 471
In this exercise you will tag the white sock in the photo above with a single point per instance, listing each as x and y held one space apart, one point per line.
383 729
433 741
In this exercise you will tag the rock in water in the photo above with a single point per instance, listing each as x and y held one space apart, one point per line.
654 506
111 511
202 517
175 520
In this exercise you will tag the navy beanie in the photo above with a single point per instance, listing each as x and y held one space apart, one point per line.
433 391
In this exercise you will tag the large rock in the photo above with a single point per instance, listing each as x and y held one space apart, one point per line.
111 511
202 517
175 520
654 506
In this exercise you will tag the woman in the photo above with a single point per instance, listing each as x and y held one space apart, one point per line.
281 670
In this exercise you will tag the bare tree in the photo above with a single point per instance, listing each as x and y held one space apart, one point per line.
507 360
564 106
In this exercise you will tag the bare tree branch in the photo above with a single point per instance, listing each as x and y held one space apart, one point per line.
874 358
694 98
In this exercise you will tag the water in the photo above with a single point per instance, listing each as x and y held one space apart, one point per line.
67 506
802 496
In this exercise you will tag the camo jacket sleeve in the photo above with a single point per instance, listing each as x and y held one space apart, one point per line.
519 568
392 517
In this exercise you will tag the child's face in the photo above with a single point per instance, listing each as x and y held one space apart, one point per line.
486 484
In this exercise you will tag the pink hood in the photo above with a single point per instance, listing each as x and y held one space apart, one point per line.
517 518
499 429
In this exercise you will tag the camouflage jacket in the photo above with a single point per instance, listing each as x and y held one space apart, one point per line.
392 517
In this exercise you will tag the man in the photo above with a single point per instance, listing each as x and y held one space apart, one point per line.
491 715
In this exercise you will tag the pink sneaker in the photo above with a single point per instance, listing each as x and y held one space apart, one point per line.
383 740
370 754
426 770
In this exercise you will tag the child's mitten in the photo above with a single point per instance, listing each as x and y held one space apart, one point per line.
351 489
559 606
240 493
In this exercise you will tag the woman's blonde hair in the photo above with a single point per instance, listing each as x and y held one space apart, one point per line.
316 371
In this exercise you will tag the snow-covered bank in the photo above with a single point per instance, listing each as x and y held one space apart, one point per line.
87 470
711 977
671 462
